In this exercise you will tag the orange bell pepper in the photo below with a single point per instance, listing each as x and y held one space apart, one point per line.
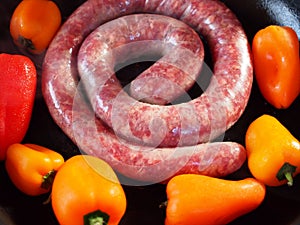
87 191
32 167
202 200
273 152
18 81
277 65
34 24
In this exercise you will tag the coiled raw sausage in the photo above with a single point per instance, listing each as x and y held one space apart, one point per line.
176 46
219 107
130 37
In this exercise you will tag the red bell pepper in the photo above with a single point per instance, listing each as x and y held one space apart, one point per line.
18 80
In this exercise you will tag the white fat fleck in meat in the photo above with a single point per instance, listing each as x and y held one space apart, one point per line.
210 22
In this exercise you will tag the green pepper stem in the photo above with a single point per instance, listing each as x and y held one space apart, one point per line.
96 218
48 180
286 173
289 178
48 200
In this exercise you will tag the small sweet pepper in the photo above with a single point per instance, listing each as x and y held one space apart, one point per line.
87 191
202 200
32 168
273 152
18 80
34 23
277 65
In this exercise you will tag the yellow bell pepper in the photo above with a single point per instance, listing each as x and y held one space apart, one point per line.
273 152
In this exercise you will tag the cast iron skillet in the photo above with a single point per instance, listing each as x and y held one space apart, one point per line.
281 205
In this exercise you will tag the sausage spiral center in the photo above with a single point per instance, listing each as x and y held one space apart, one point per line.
132 38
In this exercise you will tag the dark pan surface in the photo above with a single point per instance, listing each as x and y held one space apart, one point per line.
281 206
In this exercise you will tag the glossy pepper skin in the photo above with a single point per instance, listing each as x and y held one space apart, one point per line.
202 200
34 23
18 80
32 168
277 65
86 191
273 152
